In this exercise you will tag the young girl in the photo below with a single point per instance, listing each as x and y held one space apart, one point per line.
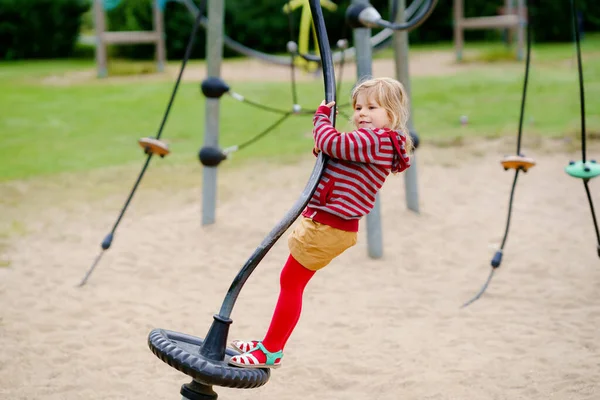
360 161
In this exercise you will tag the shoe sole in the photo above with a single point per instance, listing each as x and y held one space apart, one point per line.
258 366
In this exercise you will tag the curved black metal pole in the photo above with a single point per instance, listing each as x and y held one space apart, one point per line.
413 22
311 186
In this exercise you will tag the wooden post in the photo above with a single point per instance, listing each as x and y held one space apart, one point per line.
509 33
521 28
458 31
160 34
100 28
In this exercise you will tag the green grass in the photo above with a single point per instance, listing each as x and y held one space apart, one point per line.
49 128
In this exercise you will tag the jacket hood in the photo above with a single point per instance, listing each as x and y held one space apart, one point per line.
401 160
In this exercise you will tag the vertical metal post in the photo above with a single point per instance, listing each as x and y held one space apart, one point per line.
400 41
160 32
458 29
364 61
100 28
214 57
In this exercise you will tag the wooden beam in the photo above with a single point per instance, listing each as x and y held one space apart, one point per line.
126 37
500 21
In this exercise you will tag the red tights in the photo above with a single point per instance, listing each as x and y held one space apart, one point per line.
293 280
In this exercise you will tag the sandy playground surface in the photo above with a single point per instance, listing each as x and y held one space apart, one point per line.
377 329
382 329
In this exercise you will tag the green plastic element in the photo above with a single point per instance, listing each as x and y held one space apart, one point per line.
271 357
111 4
587 170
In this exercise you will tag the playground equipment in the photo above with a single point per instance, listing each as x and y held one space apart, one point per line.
104 38
211 156
519 163
378 41
584 169
307 27
510 19
206 360
213 88
151 147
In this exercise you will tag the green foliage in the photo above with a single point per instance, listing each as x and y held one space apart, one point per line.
178 28
39 28
262 24
551 20
137 15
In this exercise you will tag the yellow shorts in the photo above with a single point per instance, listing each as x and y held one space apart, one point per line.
314 245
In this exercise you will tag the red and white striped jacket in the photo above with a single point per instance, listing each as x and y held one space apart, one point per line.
360 161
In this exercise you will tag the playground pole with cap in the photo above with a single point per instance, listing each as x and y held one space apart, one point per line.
214 57
364 60
400 43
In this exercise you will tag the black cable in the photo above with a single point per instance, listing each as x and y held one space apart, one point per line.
263 133
497 259
525 82
580 74
258 105
582 114
412 23
589 197
510 207
482 290
106 243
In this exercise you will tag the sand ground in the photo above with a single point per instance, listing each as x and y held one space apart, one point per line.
380 329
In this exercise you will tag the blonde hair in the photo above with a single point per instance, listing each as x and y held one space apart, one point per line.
391 95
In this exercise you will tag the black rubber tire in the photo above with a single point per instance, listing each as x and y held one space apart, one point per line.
171 346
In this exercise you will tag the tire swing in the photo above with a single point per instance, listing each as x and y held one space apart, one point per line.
206 360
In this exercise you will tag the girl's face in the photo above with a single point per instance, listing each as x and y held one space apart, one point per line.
369 114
